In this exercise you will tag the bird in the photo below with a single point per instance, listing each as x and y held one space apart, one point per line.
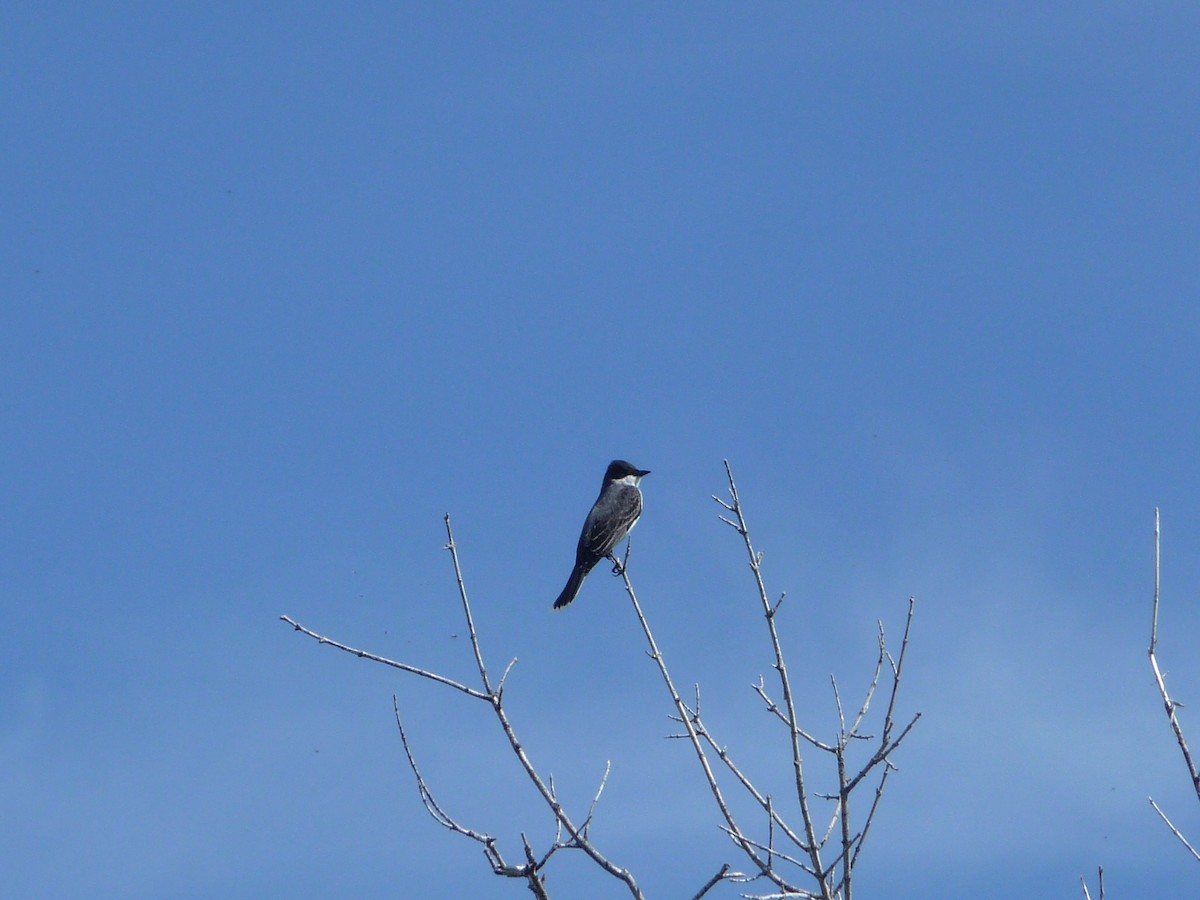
612 517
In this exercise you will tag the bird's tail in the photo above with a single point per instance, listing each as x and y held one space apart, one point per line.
574 583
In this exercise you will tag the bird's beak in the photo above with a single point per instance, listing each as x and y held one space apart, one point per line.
642 473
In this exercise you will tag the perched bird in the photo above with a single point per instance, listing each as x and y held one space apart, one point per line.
613 514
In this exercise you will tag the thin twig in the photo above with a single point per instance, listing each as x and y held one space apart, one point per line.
435 810
862 837
768 849
404 667
898 669
439 815
833 820
866 704
837 699
1175 831
596 799
462 593
1168 704
770 830
773 709
504 677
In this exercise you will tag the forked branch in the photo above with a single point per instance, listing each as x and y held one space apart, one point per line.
833 881
569 835
684 716
798 846
738 523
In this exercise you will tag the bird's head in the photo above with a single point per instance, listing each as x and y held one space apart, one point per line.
620 470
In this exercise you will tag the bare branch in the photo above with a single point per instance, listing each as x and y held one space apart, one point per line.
866 704
596 799
844 803
770 830
1169 705
848 732
404 667
764 857
789 703
722 502
837 697
712 882
1175 831
898 671
862 838
738 838
462 593
734 831
577 836
434 809
833 820
773 708
504 677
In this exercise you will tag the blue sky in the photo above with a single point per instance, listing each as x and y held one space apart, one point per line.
283 285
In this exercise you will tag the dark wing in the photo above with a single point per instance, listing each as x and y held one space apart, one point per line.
609 522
